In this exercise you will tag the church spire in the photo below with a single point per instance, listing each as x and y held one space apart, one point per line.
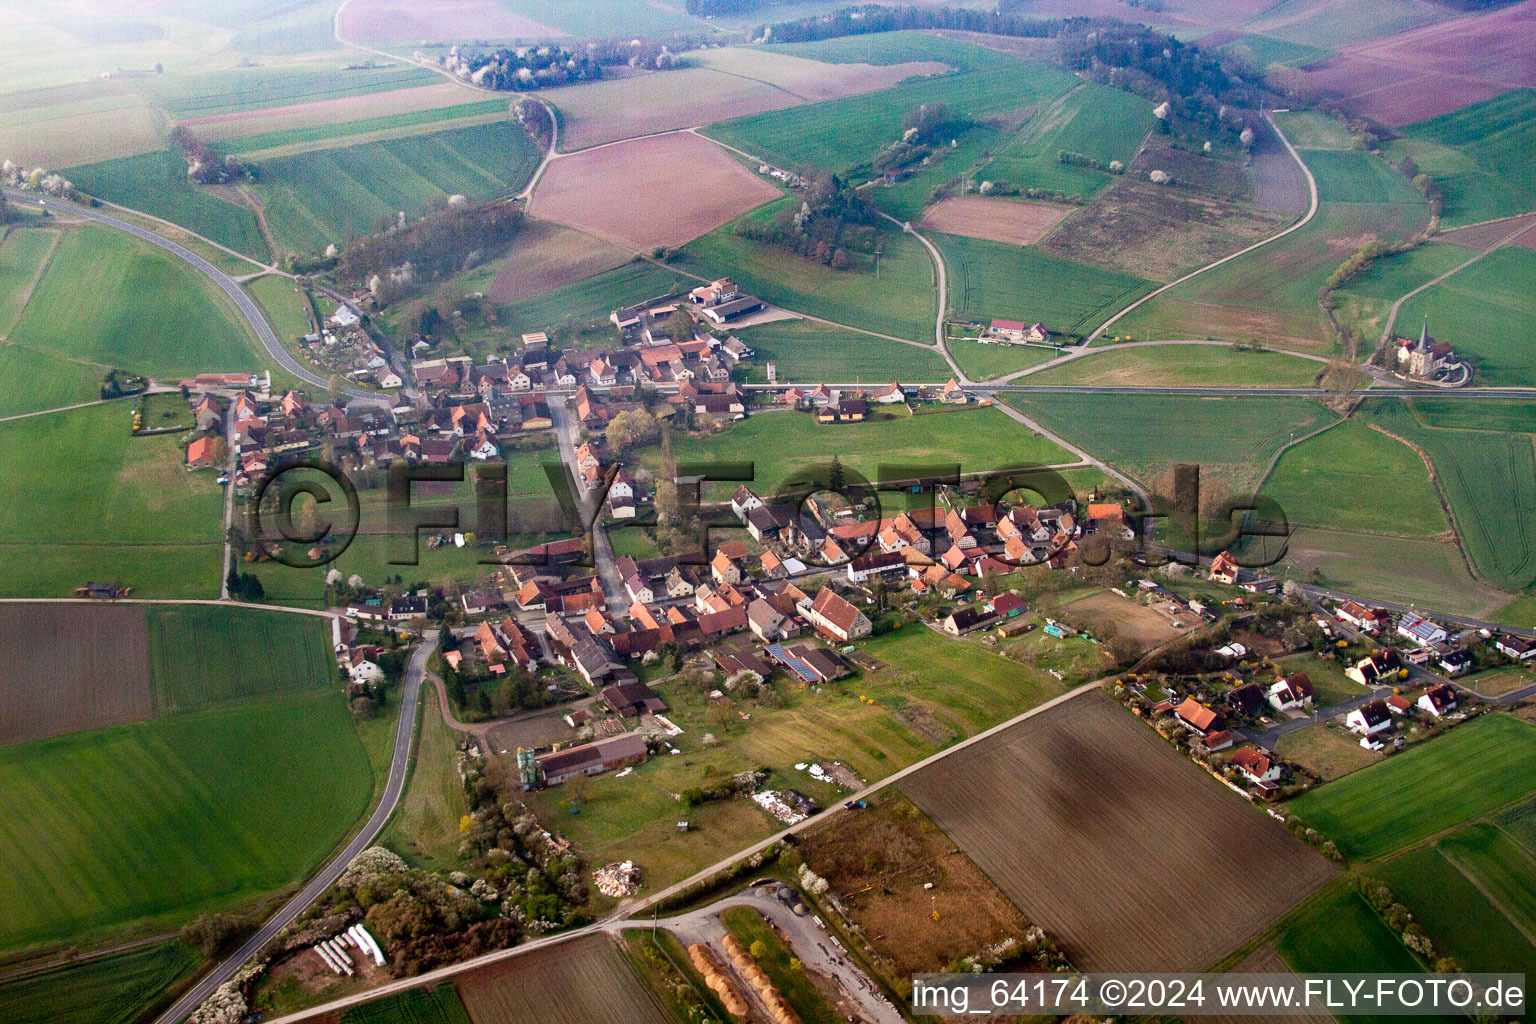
1424 336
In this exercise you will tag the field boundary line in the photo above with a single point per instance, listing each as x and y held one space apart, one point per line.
1275 459
1083 351
26 294
1311 212
1493 900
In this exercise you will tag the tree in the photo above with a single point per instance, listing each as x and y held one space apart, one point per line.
679 326
630 428
758 949
836 480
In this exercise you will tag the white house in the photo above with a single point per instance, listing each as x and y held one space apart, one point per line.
1369 719
1292 692
1438 700
1421 631
1517 647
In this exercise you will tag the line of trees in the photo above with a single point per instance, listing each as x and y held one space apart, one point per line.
451 239
205 166
872 18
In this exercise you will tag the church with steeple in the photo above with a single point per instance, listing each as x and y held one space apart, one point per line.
1424 358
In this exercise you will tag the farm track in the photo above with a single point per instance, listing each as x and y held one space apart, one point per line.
1311 212
1386 332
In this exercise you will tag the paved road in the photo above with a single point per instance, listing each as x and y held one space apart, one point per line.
228 285
409 696
602 550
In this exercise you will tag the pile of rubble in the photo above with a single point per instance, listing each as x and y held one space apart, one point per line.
621 878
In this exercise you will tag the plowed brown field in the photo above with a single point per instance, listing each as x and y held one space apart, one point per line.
67 667
586 981
1129 856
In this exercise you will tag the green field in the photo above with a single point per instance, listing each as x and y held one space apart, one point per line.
116 989
1352 176
782 442
1423 571
847 133
1267 51
1487 311
440 1005
1499 867
157 184
884 48
992 279
807 352
1455 912
1520 822
203 656
1311 130
103 505
592 299
1511 416
162 819
1183 366
1341 22
1354 478
366 129
254 88
23 253
425 828
287 307
31 381
108 298
1472 770
1336 930
330 195
1094 120
983 362
1489 479
1365 302
900 302
1479 155
1146 434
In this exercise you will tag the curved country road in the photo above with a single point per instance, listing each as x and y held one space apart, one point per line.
393 787
226 284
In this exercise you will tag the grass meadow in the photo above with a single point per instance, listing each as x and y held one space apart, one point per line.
807 352
1270 295
1183 366
1475 769
992 279
1351 477
121 988
901 301
589 302
103 505
109 299
157 184
328 196
255 88
1489 479
156 821
1094 120
24 253
202 656
1479 155
847 133
1456 912
783 442
983 362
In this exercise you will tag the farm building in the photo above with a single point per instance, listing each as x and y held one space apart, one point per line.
837 618
592 758
200 453
1014 332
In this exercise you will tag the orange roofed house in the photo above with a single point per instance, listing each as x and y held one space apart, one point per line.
836 618
200 453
